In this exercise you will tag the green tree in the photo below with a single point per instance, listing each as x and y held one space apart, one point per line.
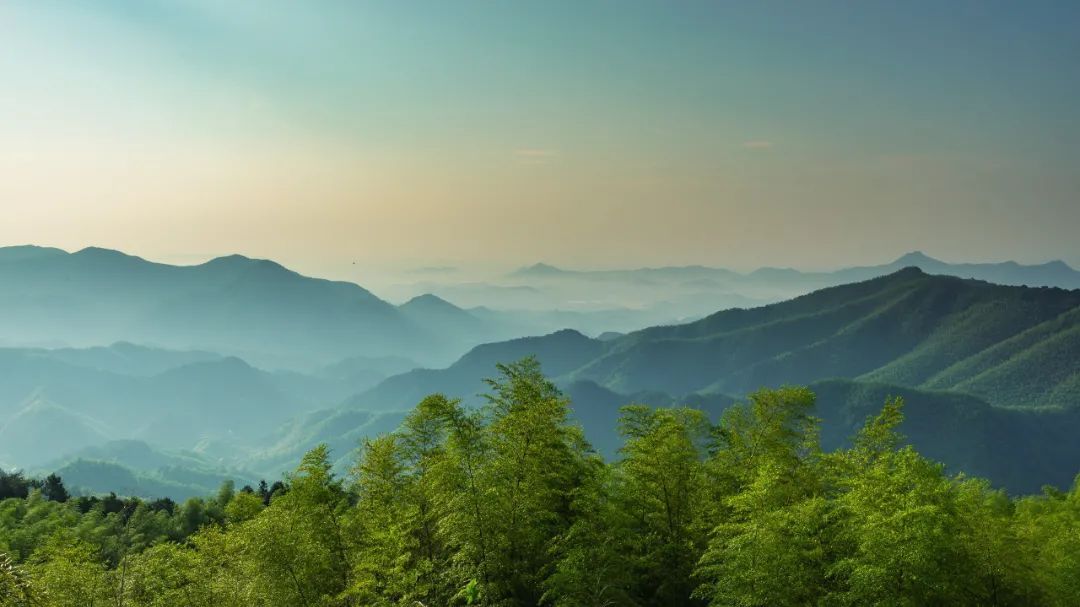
504 484
1049 526
998 565
65 572
595 561
537 462
898 536
53 489
662 487
293 552
15 586
771 522
243 506
385 529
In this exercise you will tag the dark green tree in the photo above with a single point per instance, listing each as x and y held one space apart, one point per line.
53 489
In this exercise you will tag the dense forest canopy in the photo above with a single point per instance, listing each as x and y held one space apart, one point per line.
508 505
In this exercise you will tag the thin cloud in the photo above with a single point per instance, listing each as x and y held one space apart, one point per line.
757 144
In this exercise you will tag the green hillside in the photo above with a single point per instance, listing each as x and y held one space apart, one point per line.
1003 373
1018 449
561 353
1012 346
902 329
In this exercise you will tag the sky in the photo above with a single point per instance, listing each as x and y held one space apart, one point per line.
347 136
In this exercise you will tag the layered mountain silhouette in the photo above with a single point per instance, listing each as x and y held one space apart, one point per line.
49 407
1053 274
908 328
252 308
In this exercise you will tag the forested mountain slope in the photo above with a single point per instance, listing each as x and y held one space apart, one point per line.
904 329
908 328
972 357
1018 449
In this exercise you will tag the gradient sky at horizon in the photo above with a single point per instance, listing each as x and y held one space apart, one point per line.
592 133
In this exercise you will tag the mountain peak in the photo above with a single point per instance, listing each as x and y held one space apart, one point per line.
229 260
539 269
569 334
237 261
111 260
102 253
28 251
915 258
1058 265
428 301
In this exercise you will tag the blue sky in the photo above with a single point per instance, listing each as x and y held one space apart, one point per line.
584 133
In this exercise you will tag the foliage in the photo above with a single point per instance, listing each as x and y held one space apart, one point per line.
507 505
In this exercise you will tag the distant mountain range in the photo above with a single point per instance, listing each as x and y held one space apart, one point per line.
623 300
252 363
1050 274
234 305
276 318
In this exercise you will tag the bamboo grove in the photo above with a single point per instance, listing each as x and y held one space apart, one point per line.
507 505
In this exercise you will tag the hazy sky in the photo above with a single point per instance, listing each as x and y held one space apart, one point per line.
583 133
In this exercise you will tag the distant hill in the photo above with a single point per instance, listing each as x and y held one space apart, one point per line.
131 467
437 316
39 427
542 270
252 308
55 402
1051 274
90 477
362 372
128 358
341 429
561 352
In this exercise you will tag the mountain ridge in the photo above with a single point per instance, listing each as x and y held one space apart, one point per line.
912 258
95 296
